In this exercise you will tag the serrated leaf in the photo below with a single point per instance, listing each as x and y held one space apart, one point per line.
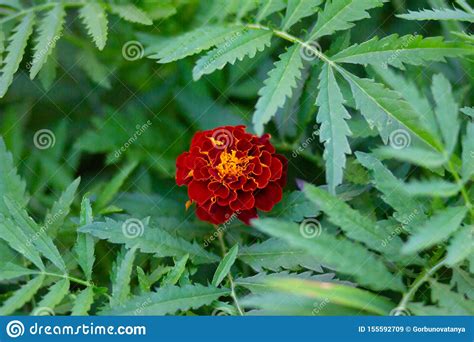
432 188
36 236
123 273
464 282
21 296
460 245
340 15
333 132
83 302
383 107
438 14
9 270
55 295
176 272
340 254
437 229
11 184
268 7
468 111
236 47
224 266
408 210
335 293
169 300
152 240
275 254
355 225
279 85
61 208
446 111
454 302
18 240
95 19
131 13
15 50
84 247
468 152
195 41
397 51
94 69
49 29
417 156
297 10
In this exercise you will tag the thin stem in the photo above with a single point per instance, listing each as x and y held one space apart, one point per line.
229 276
460 183
66 276
422 278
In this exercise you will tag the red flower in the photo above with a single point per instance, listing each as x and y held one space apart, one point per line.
229 171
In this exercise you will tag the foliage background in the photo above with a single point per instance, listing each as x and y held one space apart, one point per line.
376 219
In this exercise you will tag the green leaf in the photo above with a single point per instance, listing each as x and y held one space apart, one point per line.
268 7
438 14
279 85
460 246
19 241
224 266
168 300
195 41
131 13
49 29
11 184
297 10
61 208
468 152
454 302
83 302
437 229
15 50
446 111
382 108
84 247
9 270
37 236
333 132
94 69
432 188
397 51
408 210
340 254
21 296
113 186
335 293
236 47
176 272
468 111
152 239
123 274
340 15
55 295
275 254
417 156
95 19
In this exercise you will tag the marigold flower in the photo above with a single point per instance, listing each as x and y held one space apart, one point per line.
229 171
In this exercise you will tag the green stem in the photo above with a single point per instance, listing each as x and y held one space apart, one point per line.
422 278
464 192
229 276
66 276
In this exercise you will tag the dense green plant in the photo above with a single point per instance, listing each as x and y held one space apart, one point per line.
375 117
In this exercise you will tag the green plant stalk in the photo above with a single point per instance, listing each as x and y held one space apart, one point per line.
464 192
229 276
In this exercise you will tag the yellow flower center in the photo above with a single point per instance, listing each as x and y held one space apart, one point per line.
231 165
